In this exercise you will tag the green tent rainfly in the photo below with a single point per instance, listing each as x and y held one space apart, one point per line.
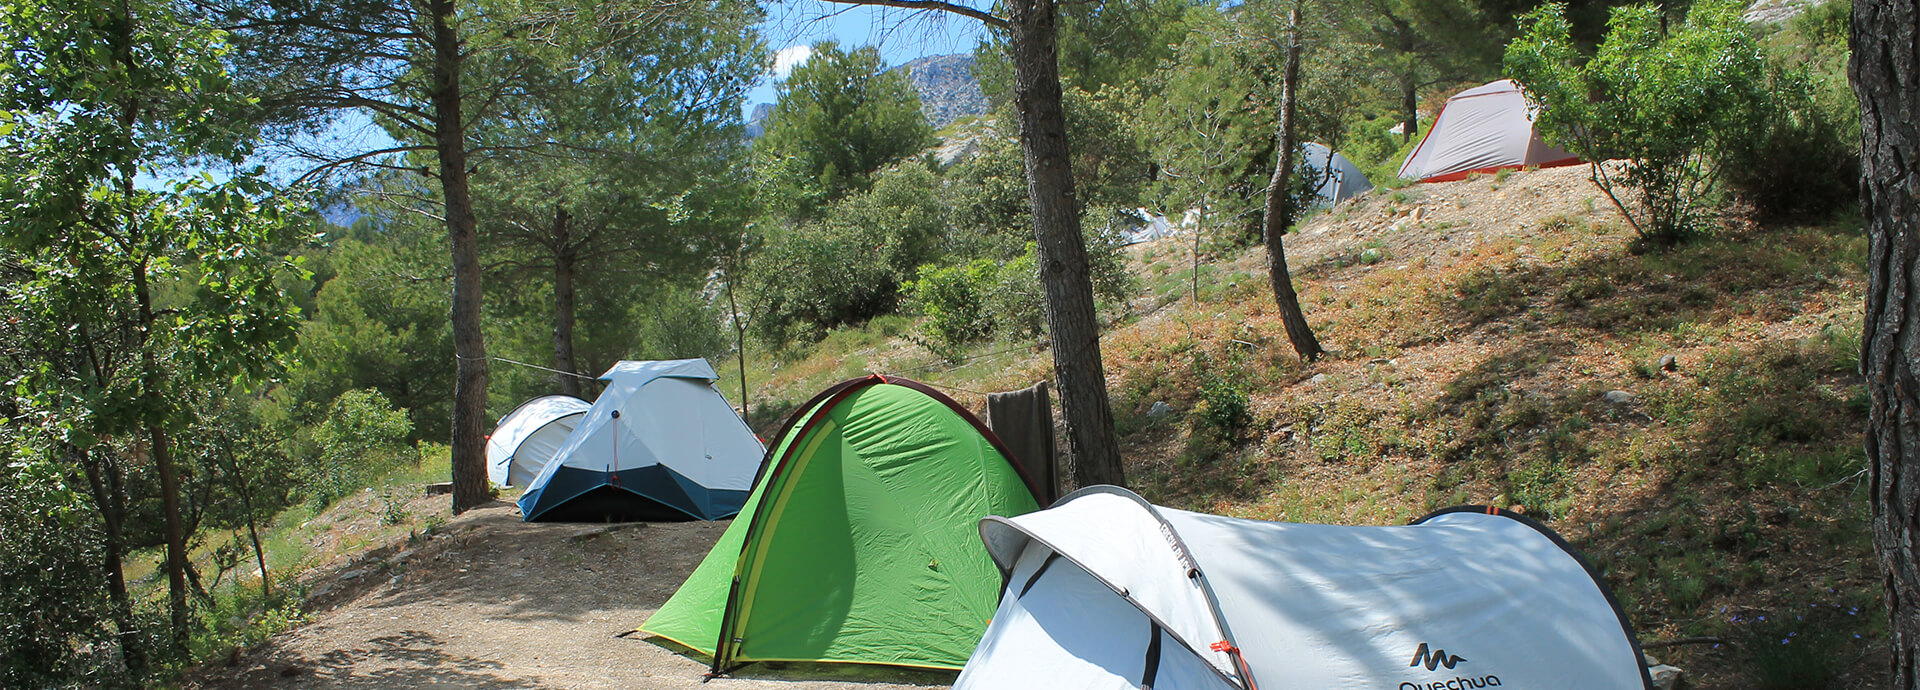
860 543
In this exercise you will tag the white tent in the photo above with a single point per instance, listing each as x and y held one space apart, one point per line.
1345 180
529 436
1106 591
660 443
1481 130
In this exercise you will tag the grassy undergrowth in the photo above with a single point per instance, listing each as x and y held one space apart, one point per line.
300 543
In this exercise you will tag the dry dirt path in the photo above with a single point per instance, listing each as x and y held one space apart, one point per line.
493 602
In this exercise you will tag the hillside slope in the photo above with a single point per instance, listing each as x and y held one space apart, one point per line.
1496 341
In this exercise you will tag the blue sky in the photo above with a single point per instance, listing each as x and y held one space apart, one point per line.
901 35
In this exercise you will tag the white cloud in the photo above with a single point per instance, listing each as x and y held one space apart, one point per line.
788 58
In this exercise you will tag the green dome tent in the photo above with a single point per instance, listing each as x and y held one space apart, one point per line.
859 543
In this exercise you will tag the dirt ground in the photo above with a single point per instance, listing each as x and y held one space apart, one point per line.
488 601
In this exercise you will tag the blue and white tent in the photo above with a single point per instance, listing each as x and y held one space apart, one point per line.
660 443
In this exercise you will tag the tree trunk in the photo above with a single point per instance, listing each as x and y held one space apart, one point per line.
1409 108
470 487
564 262
739 345
1062 249
104 484
1886 76
1280 210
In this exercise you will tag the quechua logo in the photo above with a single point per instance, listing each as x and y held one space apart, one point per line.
1435 659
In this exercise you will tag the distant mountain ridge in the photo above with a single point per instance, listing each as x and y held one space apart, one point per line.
947 87
945 83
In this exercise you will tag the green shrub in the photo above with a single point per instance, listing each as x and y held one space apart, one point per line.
978 300
361 436
952 301
848 267
1805 157
1676 104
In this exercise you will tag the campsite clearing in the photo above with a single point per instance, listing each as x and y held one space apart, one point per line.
490 601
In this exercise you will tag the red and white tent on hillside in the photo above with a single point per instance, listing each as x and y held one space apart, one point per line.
1482 130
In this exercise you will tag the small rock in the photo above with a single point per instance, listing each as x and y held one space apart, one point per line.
402 556
1666 677
1650 659
1379 360
353 574
1668 363
1318 379
320 591
394 581
1619 397
439 488
1159 410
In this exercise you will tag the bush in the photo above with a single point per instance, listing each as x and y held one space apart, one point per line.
1675 104
53 612
361 436
848 267
1805 158
975 301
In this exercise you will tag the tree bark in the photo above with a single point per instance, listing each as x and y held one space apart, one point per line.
470 487
1062 252
564 262
1280 210
1885 67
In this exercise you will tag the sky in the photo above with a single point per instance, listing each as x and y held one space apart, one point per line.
902 35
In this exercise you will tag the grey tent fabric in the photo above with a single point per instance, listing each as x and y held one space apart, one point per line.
1464 598
1340 179
528 437
1023 420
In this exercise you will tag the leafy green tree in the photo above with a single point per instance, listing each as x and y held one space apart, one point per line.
1031 29
1673 102
52 606
1418 44
848 266
380 324
839 119
587 184
428 73
160 286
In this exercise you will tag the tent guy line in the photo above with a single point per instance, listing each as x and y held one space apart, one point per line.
533 366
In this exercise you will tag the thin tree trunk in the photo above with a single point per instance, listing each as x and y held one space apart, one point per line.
739 345
152 379
1062 250
259 554
107 499
564 263
470 487
153 382
1409 108
243 488
1280 210
1886 76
